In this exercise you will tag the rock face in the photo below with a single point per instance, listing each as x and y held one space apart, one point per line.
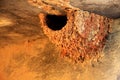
79 34
109 8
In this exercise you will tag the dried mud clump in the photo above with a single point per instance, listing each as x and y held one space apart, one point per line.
81 38
79 34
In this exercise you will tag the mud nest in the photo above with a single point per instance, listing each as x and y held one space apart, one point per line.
79 34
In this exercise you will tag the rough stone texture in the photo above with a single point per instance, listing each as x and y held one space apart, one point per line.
83 36
51 6
108 8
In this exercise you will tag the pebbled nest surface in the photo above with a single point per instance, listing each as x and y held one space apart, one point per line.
79 34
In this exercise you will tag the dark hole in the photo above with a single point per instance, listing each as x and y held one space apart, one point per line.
56 22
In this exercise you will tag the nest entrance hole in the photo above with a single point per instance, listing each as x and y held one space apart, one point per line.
56 22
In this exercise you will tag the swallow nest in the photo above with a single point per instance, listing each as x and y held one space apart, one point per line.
79 34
